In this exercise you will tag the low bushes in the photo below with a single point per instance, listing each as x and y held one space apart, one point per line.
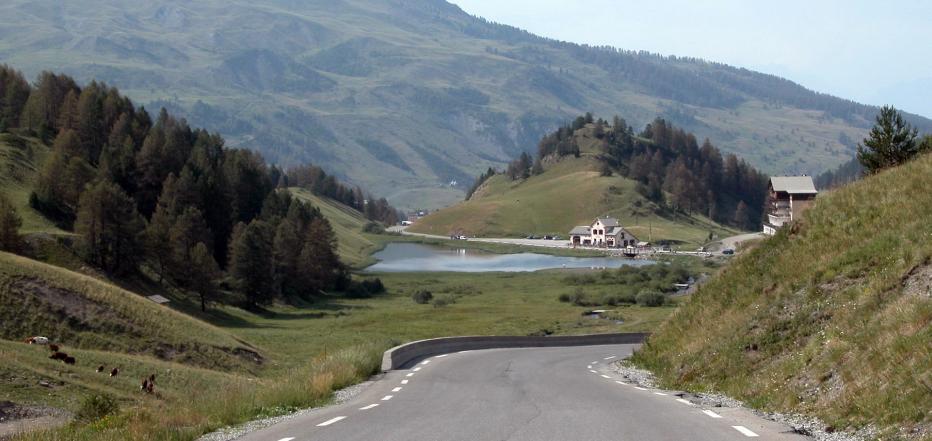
422 297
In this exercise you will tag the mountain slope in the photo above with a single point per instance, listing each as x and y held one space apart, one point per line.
832 316
416 89
353 246
570 192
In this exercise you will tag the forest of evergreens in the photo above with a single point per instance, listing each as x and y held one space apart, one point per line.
157 197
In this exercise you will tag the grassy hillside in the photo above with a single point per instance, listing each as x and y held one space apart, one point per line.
20 158
570 192
354 245
831 317
434 93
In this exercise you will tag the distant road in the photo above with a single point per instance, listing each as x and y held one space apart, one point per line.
539 394
733 241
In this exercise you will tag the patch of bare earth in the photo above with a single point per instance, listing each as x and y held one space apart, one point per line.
918 283
17 418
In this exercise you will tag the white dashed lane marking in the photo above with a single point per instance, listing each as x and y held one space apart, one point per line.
416 369
331 421
369 407
639 388
711 414
621 382
410 374
397 389
609 358
404 381
594 362
441 356
425 362
386 398
594 372
606 376
589 367
745 431
286 439
660 393
684 402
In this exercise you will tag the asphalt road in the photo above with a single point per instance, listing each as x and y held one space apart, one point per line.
535 394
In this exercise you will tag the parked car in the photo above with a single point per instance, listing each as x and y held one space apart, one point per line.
555 238
461 237
533 237
548 237
728 251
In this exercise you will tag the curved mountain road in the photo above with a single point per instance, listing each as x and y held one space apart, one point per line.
533 394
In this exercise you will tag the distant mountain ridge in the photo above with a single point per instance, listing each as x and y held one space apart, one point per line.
404 96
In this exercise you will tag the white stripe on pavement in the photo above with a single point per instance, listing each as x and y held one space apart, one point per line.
425 362
410 374
639 388
660 393
684 401
589 367
744 430
609 358
331 421
441 356
606 376
404 381
386 398
396 389
416 369
369 407
594 372
711 414
286 439
621 382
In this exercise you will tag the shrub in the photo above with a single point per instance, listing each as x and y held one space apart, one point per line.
357 290
565 298
650 298
374 286
442 301
373 227
422 297
95 407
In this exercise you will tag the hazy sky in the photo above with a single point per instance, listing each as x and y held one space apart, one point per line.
874 52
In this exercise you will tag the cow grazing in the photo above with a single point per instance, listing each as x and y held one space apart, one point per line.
114 372
53 347
145 385
69 360
100 368
58 356
152 378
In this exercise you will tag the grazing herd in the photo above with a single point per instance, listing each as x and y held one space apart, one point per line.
148 383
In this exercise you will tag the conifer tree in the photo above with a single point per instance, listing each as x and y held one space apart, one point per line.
10 223
109 228
251 264
891 142
208 273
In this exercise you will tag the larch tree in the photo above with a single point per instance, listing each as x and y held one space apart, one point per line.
109 228
10 223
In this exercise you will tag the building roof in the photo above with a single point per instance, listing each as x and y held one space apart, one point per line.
608 221
580 230
793 184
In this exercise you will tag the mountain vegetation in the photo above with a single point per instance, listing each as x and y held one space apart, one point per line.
831 317
589 168
155 196
416 89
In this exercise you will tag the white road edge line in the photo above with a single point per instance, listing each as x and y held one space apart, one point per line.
606 376
711 414
397 389
660 393
745 431
387 397
404 381
331 421
621 382
369 406
639 388
685 402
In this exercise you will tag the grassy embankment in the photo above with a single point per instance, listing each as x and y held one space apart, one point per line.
570 192
832 317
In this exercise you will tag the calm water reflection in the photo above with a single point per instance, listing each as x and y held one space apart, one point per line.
413 257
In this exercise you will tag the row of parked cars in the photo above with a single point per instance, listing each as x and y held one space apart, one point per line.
533 237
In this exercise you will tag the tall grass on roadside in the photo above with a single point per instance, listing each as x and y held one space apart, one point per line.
242 400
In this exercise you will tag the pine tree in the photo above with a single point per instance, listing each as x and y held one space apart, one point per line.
320 265
109 228
208 273
188 230
742 216
251 263
891 142
14 92
10 223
